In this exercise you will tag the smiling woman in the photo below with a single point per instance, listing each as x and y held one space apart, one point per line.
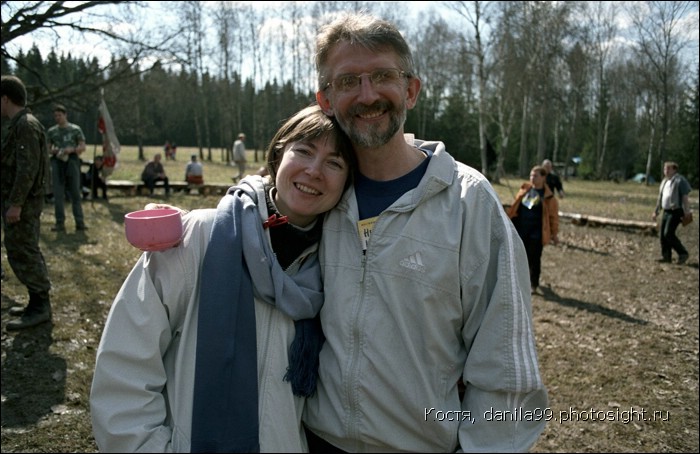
270 226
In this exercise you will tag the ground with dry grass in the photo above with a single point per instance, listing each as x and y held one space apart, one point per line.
617 332
617 335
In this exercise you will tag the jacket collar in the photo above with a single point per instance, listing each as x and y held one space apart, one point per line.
441 172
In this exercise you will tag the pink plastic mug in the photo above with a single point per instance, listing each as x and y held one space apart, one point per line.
153 230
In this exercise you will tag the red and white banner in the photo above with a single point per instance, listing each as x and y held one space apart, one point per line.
110 143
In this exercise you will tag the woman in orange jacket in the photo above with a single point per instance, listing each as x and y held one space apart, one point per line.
535 214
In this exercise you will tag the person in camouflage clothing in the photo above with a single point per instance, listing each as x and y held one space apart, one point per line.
25 168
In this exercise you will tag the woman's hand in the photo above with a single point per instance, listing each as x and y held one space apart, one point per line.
164 206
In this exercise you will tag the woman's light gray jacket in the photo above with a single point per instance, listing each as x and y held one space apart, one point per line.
141 397
442 292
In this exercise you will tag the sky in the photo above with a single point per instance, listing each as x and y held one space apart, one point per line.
157 12
157 16
161 16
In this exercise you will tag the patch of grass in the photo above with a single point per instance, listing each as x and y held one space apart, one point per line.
628 200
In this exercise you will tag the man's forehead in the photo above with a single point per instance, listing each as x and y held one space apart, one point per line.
351 58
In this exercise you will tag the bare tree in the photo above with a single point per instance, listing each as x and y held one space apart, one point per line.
236 28
93 19
519 47
23 18
251 26
437 58
601 18
534 36
223 19
192 58
573 106
477 16
661 36
506 90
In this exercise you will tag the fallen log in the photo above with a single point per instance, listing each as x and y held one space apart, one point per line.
598 221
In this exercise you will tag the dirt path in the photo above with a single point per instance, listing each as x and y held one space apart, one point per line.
617 335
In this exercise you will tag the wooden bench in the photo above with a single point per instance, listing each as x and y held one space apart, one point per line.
133 188
195 187
175 186
124 186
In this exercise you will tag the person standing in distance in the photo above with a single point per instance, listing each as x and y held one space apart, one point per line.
553 180
426 281
535 214
673 200
67 143
239 156
25 168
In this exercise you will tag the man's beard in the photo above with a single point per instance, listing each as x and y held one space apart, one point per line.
374 136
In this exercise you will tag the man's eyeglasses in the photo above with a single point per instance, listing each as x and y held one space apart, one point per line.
378 78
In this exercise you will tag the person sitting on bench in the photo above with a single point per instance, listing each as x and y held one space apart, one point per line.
94 178
154 171
194 172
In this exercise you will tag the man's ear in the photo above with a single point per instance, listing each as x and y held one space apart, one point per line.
324 103
414 85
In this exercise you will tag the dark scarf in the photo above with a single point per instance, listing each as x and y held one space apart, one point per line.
238 266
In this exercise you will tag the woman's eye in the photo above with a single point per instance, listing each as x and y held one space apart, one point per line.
340 165
301 151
